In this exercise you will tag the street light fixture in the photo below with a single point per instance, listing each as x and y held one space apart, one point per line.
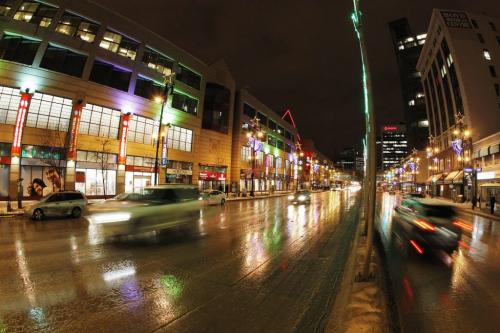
254 134
169 81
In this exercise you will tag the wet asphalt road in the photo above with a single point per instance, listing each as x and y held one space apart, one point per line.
435 296
250 266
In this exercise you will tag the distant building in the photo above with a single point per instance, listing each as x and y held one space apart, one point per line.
407 47
394 145
460 70
347 159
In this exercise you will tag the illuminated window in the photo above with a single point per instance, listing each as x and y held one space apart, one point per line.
486 54
142 130
6 6
423 123
77 26
157 61
35 12
246 154
49 112
180 138
100 121
9 103
120 44
411 103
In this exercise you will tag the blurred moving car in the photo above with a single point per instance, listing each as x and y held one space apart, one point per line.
214 197
126 196
160 207
428 225
62 203
300 196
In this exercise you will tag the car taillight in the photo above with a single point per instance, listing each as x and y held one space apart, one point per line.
424 225
462 225
416 246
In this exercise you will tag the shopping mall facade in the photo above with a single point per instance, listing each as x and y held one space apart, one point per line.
81 94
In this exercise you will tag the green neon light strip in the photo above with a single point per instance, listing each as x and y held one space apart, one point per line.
9 33
185 94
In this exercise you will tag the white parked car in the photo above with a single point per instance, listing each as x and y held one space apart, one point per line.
64 203
214 197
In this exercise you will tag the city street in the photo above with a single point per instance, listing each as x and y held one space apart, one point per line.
462 296
248 266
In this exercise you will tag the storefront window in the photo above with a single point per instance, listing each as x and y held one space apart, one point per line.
49 112
91 182
135 182
179 172
100 121
212 177
9 103
40 181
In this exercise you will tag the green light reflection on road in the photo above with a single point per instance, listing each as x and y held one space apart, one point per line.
172 285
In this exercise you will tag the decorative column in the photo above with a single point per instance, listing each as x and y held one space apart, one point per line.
69 181
15 164
122 156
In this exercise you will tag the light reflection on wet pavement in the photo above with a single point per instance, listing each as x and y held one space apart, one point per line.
248 266
434 297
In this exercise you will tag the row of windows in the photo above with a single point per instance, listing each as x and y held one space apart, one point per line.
96 157
100 121
263 120
61 60
77 26
142 130
140 161
49 112
180 138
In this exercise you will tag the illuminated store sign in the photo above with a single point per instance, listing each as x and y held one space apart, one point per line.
21 116
75 125
123 139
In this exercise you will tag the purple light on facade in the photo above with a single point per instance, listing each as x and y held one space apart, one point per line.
457 146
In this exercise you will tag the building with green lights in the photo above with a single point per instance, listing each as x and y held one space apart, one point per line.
80 99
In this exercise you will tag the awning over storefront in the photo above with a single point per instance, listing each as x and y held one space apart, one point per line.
436 178
490 185
458 179
450 177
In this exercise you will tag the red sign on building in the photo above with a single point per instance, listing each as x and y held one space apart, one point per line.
75 125
18 130
123 139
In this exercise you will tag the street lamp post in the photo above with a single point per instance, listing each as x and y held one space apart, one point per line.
254 135
370 176
169 84
462 144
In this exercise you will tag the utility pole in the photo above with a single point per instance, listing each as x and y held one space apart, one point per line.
370 176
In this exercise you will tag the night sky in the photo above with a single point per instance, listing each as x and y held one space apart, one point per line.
299 54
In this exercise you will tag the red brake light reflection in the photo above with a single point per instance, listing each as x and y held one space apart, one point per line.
463 225
425 225
416 247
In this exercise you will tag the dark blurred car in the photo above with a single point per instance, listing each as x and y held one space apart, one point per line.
414 195
427 225
301 196
160 207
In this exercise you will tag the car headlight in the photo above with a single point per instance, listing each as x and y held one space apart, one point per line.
110 217
302 197
290 197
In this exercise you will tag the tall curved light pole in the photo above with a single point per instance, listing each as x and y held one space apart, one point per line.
370 175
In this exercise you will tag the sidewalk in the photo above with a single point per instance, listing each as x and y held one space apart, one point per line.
467 208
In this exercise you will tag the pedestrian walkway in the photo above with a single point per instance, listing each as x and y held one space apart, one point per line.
467 207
